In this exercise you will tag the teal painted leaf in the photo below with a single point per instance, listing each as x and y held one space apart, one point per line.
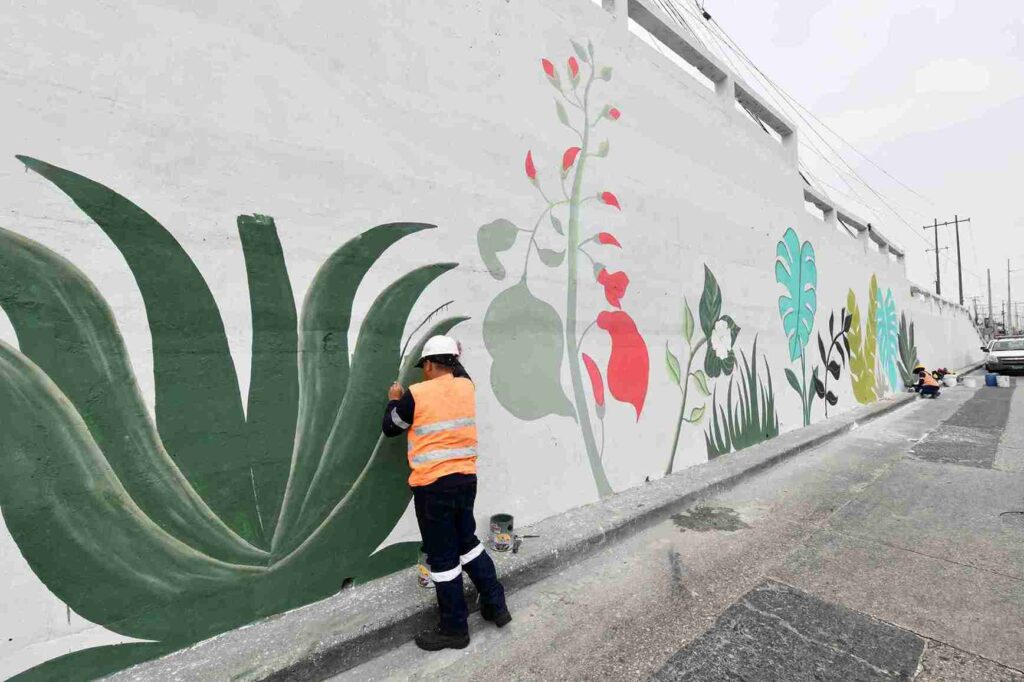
888 332
795 269
494 238
710 303
524 337
324 356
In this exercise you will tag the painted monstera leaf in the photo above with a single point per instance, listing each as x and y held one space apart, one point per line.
524 338
795 269
862 359
888 339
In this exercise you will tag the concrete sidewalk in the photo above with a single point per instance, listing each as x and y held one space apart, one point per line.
868 557
336 634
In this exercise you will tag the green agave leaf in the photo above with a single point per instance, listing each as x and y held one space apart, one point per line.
94 663
66 328
862 365
84 536
339 548
323 357
374 367
273 406
524 337
198 407
888 338
752 419
908 350
796 270
388 560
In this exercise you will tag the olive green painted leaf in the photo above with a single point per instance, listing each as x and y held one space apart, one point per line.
84 536
196 385
94 663
562 115
65 327
797 271
494 238
710 303
605 73
323 356
524 337
862 365
687 322
272 410
871 334
375 361
551 258
701 380
602 149
672 365
697 415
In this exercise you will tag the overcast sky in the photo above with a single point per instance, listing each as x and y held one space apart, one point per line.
932 91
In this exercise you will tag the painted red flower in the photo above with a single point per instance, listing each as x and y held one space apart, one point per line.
574 67
615 284
569 157
549 68
614 114
608 238
531 170
595 379
629 364
610 199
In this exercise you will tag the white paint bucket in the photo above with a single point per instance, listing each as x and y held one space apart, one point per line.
949 381
970 382
1003 381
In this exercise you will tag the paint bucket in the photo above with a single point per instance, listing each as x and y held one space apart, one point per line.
1004 381
949 381
992 379
422 571
970 382
501 532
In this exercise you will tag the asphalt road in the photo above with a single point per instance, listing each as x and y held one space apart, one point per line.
887 553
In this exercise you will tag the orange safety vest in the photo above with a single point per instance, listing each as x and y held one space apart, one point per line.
929 380
442 437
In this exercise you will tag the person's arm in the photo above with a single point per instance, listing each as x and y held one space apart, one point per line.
399 412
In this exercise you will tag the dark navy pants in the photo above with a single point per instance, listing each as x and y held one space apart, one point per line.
444 511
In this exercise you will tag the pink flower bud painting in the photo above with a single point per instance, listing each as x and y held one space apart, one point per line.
610 199
596 382
608 238
574 67
614 114
615 285
569 157
531 170
549 68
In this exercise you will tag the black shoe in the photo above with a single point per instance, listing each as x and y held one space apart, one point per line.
436 639
500 618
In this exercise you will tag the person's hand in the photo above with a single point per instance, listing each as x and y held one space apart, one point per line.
396 391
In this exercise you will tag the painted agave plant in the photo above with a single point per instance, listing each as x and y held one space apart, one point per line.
210 516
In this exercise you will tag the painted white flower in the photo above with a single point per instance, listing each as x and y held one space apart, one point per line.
721 339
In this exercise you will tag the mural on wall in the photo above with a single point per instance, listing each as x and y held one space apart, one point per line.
717 336
797 271
862 349
839 347
211 516
887 328
752 419
526 336
908 351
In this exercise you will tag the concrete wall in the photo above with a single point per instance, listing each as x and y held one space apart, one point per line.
336 119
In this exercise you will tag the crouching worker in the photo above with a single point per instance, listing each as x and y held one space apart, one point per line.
927 385
439 415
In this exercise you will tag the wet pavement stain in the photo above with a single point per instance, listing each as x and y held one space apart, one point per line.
703 519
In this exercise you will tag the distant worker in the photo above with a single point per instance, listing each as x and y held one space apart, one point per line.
439 415
927 385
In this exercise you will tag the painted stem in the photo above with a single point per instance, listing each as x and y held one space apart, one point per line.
604 489
682 408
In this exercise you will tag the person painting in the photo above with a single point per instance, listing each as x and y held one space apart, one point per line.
927 385
439 416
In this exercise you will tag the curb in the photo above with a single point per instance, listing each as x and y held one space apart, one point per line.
336 634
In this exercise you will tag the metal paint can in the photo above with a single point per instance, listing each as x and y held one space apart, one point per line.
423 571
501 532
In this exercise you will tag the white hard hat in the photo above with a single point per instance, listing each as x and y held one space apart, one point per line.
439 345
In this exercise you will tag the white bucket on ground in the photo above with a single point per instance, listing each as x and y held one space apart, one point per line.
949 380
1003 381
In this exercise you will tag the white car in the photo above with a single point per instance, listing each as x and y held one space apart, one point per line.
1005 354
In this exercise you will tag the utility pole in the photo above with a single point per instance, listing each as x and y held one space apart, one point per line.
1009 309
992 322
959 266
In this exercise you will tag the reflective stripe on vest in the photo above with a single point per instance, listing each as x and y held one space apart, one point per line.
444 426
